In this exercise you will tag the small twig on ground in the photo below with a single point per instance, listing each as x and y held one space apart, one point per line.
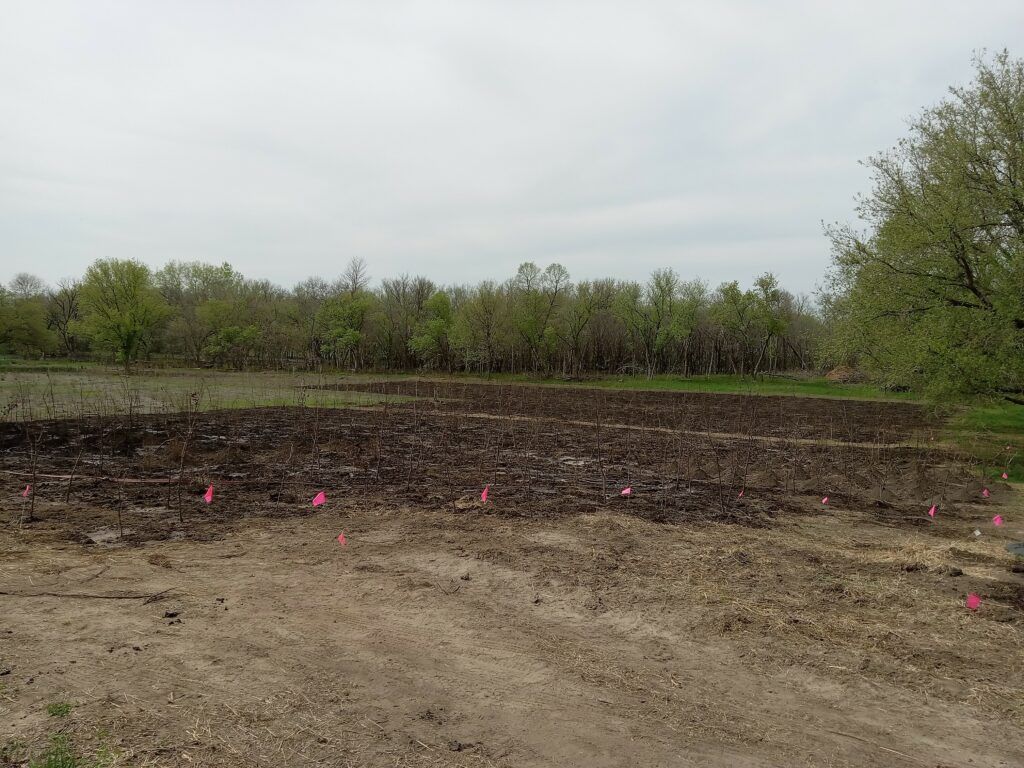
86 595
154 597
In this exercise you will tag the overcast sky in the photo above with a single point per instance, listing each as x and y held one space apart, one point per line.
458 139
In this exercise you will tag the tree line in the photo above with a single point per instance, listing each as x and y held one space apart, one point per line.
538 321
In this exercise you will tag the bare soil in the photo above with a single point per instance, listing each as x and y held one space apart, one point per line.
557 624
766 415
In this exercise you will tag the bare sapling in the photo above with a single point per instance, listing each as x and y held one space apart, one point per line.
446 451
191 414
679 453
414 448
28 510
120 504
315 432
504 419
718 462
71 477
599 444
381 427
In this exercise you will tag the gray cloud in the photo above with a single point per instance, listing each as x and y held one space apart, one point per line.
458 139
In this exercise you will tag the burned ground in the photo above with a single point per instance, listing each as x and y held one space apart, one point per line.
442 447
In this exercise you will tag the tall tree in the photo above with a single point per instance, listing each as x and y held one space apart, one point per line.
478 327
188 287
536 296
651 313
403 302
356 277
23 327
573 323
25 286
769 313
340 323
63 314
432 340
734 311
122 308
932 294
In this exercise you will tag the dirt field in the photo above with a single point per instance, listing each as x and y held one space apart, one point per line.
850 420
558 624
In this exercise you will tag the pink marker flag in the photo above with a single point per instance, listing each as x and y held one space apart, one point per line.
26 492
341 539
483 496
208 496
997 520
319 499
973 601
741 494
985 493
1005 476
627 491
931 512
824 500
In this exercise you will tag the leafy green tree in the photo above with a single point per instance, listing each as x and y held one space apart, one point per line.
233 345
735 314
769 313
478 327
432 340
187 287
607 337
402 306
340 323
536 296
690 309
121 307
932 294
23 328
574 321
651 313
280 336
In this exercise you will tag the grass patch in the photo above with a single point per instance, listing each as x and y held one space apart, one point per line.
61 754
995 419
58 755
994 433
8 363
720 384
33 394
59 709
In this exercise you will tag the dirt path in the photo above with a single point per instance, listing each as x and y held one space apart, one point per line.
702 433
464 639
